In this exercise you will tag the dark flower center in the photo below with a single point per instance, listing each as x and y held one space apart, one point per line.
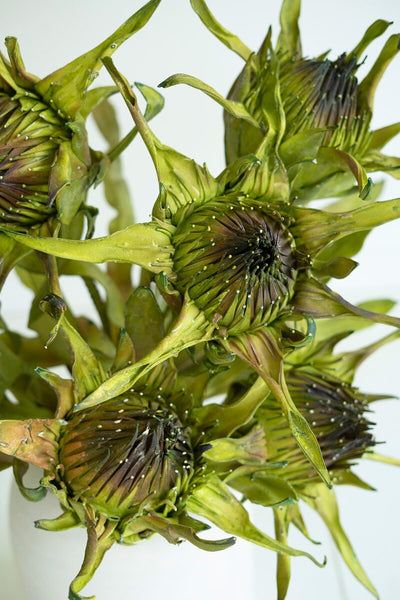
236 259
336 412
30 134
323 93
121 454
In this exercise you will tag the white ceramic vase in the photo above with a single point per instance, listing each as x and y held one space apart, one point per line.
47 562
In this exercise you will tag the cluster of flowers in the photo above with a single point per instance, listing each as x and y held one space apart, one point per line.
233 299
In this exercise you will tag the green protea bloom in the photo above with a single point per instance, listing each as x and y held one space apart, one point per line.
267 270
237 260
321 94
337 413
326 111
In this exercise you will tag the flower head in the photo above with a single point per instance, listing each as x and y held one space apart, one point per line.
322 94
337 414
46 166
237 260
326 111
125 456
30 136
321 385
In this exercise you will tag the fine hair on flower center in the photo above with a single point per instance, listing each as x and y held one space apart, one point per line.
234 256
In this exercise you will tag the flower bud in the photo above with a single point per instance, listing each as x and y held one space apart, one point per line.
30 135
237 261
46 166
122 455
320 94
336 413
315 93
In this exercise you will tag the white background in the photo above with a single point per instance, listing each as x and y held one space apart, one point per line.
51 33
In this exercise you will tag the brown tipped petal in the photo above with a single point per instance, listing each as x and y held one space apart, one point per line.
33 441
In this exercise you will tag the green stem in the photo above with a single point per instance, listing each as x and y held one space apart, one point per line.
122 145
283 560
132 104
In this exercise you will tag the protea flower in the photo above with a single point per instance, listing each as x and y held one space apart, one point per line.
239 256
325 112
320 384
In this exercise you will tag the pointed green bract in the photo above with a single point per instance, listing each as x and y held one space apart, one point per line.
214 502
319 229
65 88
17 65
96 547
226 37
289 43
145 334
226 419
249 449
283 562
380 137
31 441
65 521
324 502
369 84
175 532
31 494
191 328
145 244
374 31
236 109
264 489
263 355
181 179
86 369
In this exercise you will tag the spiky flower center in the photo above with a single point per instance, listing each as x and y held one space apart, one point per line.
236 259
122 454
30 134
336 413
323 93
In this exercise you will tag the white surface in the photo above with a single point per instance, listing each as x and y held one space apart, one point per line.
51 34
